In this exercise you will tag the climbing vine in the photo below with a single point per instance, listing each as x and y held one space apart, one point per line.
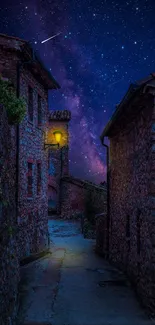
15 107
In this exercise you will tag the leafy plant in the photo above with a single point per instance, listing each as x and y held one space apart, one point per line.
16 107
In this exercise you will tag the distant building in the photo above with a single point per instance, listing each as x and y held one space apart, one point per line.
58 157
77 195
131 232
31 80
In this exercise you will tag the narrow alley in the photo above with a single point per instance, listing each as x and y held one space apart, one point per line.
73 286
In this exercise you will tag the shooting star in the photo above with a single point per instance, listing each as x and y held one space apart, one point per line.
116 82
50 37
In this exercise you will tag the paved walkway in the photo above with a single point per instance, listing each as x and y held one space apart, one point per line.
75 287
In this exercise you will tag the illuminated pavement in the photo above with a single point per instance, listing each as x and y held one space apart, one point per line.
73 286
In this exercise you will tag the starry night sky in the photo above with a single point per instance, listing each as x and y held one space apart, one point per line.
103 47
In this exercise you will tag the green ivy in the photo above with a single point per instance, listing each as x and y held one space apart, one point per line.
16 107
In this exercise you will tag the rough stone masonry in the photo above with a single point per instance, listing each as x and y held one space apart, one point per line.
27 232
132 188
9 263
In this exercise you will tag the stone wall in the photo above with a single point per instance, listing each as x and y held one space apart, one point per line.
132 227
33 210
76 195
9 266
101 234
72 198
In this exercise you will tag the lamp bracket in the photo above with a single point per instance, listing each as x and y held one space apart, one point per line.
48 145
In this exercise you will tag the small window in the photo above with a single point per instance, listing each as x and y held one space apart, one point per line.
30 179
30 217
30 103
38 178
128 232
127 226
138 232
39 110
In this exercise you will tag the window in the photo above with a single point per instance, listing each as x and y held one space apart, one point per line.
138 232
127 226
39 110
30 179
128 232
30 103
38 178
30 217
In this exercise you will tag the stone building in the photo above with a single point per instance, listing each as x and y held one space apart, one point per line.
23 169
58 155
9 263
22 66
131 231
79 195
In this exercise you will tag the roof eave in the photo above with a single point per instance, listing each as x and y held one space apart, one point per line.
128 96
25 46
51 82
49 75
132 91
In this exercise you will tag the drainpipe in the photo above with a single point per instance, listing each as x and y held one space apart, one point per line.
20 64
108 199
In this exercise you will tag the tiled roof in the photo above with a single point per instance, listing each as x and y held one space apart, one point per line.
82 183
64 115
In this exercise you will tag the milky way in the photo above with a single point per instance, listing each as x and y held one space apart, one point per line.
103 47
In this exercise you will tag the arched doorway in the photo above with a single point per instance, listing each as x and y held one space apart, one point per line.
52 199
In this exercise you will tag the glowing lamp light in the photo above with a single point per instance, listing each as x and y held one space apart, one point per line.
58 136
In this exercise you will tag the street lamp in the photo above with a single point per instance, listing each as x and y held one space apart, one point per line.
58 136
